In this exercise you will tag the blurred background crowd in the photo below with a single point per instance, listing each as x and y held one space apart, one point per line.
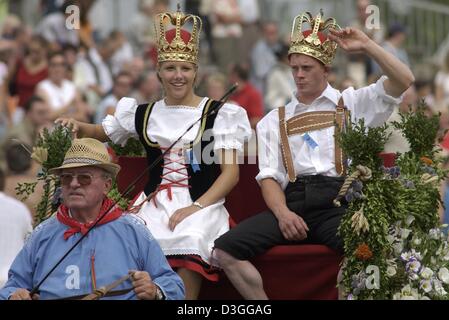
48 70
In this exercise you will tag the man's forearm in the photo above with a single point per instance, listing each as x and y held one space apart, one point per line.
400 76
273 195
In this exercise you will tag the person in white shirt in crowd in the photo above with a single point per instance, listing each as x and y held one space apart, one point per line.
141 31
91 73
59 92
442 86
122 52
6 50
250 15
226 32
15 225
263 56
360 66
279 83
53 28
300 183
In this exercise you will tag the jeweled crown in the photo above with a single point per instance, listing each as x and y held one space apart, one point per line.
178 36
313 42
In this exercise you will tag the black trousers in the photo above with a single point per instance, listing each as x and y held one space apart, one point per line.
310 197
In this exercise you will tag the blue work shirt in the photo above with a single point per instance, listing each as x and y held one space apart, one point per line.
108 252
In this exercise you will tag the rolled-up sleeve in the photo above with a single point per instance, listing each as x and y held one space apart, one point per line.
121 126
371 103
269 151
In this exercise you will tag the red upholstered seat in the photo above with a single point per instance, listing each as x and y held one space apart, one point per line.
289 272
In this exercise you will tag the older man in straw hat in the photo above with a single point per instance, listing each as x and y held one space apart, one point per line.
119 244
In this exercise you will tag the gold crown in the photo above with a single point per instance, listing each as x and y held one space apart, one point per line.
175 41
314 42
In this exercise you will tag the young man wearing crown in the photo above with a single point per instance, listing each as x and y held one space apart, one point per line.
119 244
301 166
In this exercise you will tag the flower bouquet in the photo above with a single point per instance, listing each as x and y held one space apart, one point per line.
394 244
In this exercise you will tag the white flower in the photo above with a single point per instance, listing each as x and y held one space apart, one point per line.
433 261
409 220
397 296
426 273
405 233
439 289
409 293
413 266
390 239
446 256
424 298
417 241
426 285
391 271
443 275
416 254
398 247
407 289
406 256
434 234
391 262
413 276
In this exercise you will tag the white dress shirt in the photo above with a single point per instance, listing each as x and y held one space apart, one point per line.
58 96
15 225
371 103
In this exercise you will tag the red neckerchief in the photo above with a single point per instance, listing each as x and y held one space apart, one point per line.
75 226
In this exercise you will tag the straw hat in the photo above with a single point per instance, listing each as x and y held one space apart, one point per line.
87 152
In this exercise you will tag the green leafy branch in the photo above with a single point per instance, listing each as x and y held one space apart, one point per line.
420 130
362 145
50 150
132 148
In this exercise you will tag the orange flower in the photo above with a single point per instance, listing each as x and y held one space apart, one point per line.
426 160
363 252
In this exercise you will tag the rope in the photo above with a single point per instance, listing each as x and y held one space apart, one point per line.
362 173
51 193
103 291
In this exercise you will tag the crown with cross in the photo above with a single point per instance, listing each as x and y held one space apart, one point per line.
178 36
313 41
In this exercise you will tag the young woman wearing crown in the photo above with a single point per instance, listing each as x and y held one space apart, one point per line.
186 212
